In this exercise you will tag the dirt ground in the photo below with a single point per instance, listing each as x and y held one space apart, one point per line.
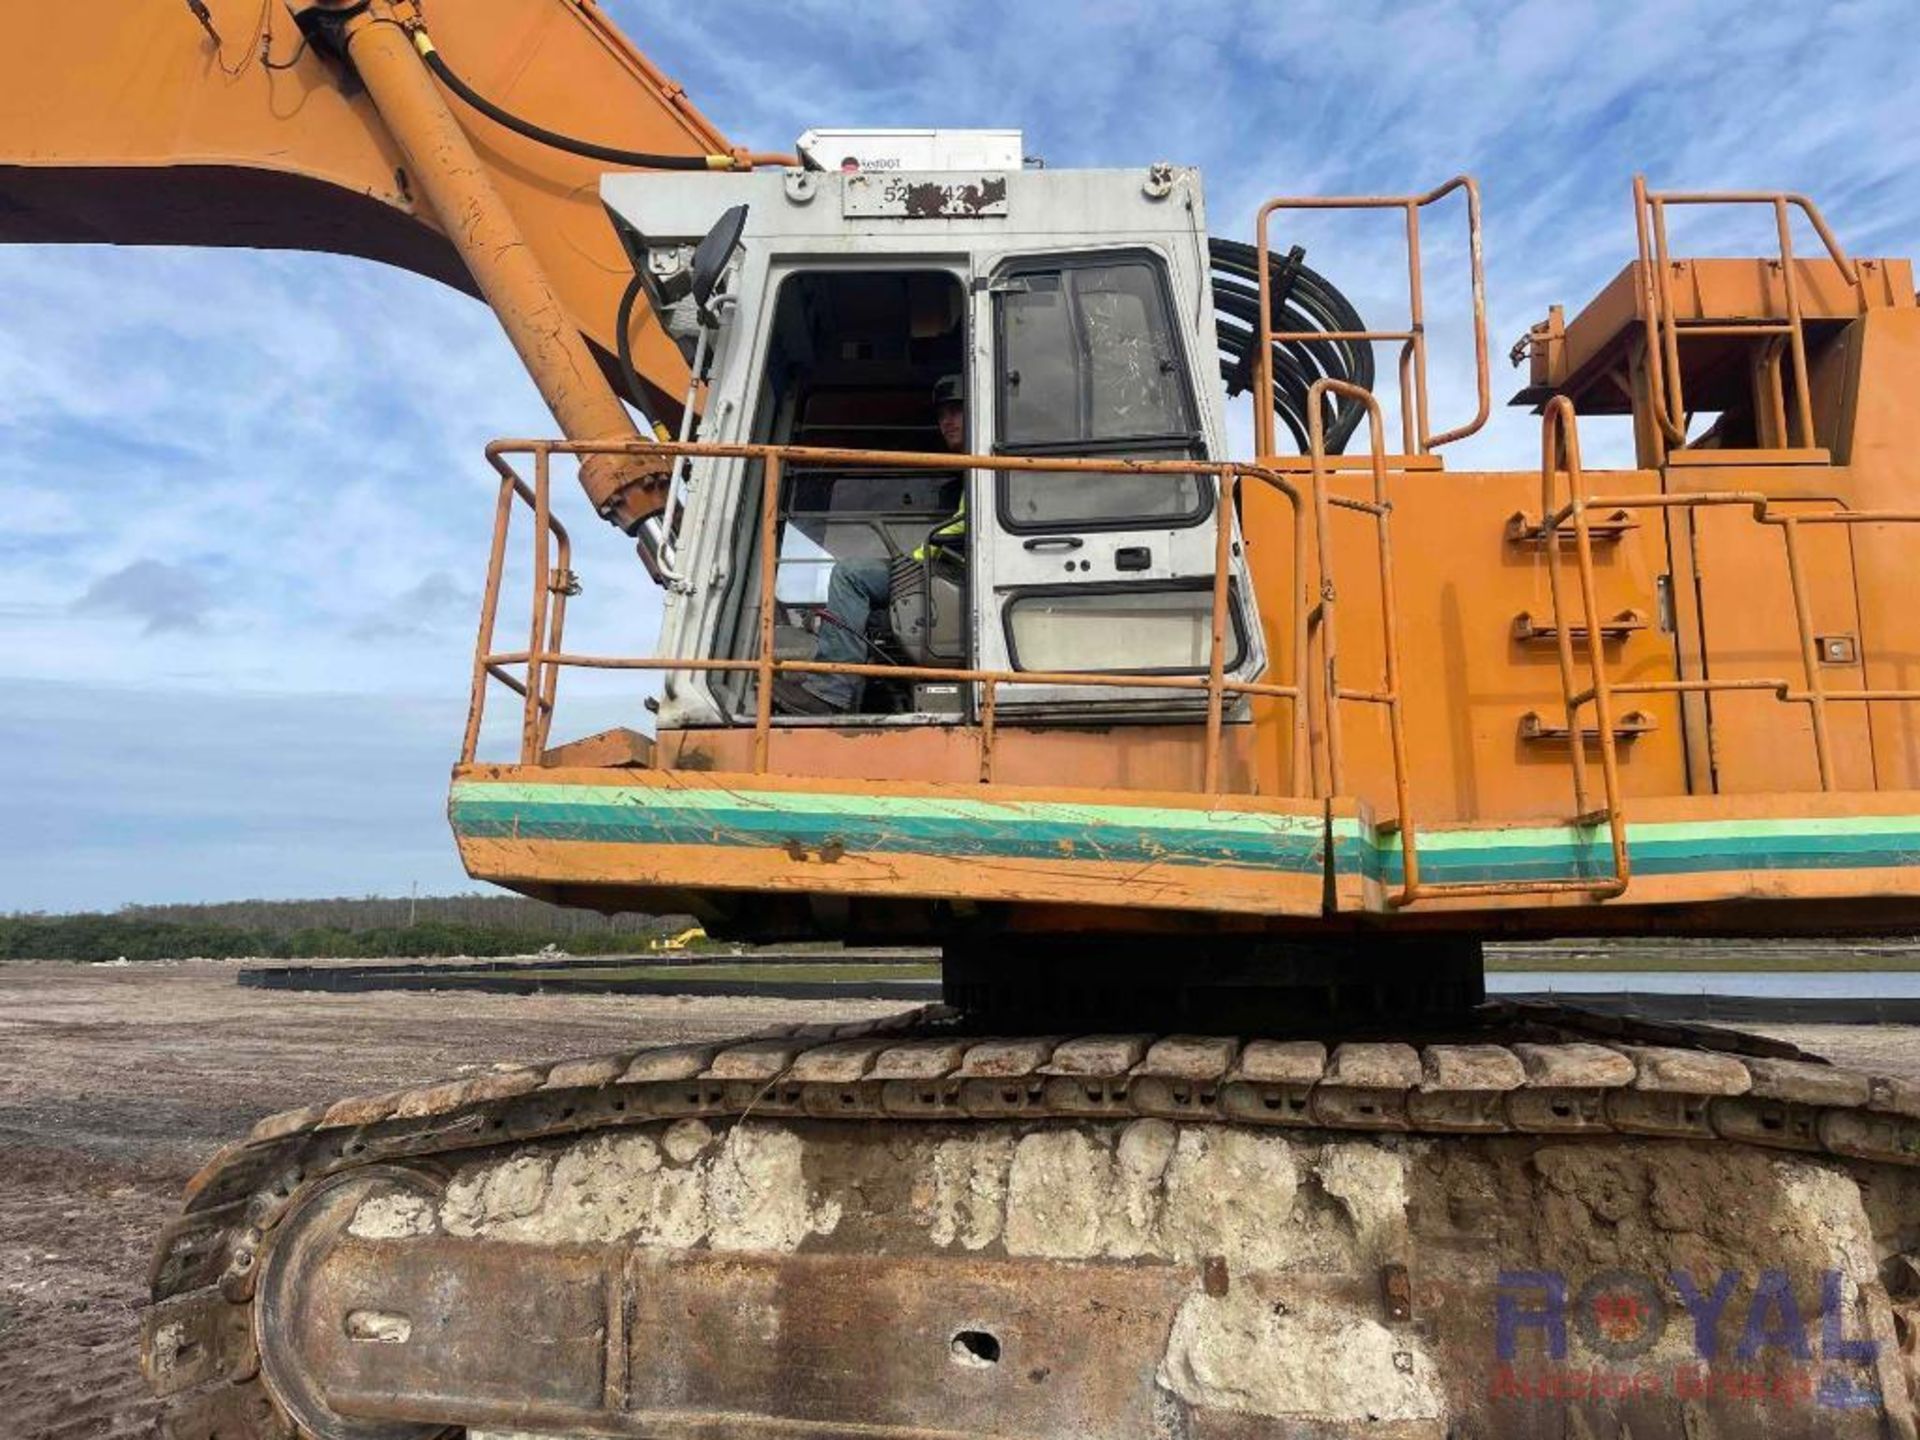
116 1082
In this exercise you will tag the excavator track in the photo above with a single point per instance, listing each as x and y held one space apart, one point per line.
439 1166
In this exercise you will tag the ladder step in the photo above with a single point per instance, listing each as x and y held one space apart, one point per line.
1528 630
1630 726
1604 887
1523 529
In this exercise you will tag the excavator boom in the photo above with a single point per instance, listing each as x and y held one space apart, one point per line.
317 126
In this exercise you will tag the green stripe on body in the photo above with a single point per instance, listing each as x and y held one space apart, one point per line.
949 827
1859 842
956 827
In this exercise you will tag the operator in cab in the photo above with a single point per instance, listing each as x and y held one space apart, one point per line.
857 587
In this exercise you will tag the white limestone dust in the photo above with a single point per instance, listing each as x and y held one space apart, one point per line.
741 1190
1828 1205
1253 1216
1057 1189
1370 1185
486 1198
392 1217
757 1194
1148 1189
1246 1352
960 1195
1234 1194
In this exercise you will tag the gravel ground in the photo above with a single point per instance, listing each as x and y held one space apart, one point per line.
117 1081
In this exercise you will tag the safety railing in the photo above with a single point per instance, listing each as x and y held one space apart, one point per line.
1324 616
554 583
1665 388
1559 443
1811 691
545 654
1417 437
1560 453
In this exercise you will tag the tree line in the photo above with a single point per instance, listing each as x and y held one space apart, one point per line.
342 928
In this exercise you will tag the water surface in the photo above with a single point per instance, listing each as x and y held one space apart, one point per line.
1792 984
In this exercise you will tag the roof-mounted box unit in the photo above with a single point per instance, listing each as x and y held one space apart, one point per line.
884 150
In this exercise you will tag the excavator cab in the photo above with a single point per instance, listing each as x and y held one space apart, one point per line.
918 686
1078 336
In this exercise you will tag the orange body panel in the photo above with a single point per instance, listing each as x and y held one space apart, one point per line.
1884 455
1751 660
1469 680
1748 629
614 834
1130 758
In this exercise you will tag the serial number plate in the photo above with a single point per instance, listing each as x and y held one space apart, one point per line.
924 197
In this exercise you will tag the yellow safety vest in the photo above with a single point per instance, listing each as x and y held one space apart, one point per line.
954 529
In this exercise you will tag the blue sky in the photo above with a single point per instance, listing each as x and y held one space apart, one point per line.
244 509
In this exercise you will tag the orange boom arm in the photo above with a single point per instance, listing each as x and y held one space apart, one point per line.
316 125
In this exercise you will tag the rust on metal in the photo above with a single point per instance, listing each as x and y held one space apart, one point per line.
1527 629
1664 328
1396 1291
909 198
1214 1277
944 201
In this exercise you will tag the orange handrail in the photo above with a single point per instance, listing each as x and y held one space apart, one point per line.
1665 390
1560 449
1417 438
1387 696
545 653
1559 445
1812 692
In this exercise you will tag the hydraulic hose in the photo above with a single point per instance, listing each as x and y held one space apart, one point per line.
622 336
458 185
612 154
1302 301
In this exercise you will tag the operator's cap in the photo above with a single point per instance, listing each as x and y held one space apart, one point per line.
949 390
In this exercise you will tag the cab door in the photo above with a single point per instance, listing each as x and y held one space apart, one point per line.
1097 573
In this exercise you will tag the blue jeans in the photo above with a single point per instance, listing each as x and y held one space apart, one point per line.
853 590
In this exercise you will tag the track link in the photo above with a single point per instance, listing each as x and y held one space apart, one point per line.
1520 1070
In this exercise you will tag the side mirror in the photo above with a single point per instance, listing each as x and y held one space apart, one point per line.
711 255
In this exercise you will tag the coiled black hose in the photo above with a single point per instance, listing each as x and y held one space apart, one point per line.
1301 300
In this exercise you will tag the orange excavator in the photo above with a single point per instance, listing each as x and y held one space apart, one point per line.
1210 776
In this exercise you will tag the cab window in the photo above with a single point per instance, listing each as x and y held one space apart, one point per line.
1090 365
